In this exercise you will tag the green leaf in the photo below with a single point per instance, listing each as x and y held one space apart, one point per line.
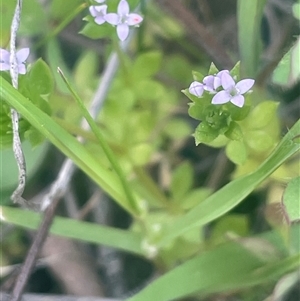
236 152
65 142
295 62
24 127
34 137
40 79
236 224
5 124
287 71
148 89
262 114
140 154
197 76
259 141
291 200
249 25
203 101
84 231
130 198
216 118
182 180
228 267
296 10
177 128
213 69
282 71
234 131
85 72
95 31
220 141
196 110
204 133
195 197
37 85
147 64
233 193
239 114
235 71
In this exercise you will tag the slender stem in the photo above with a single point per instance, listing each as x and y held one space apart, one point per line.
17 146
13 59
108 152
33 251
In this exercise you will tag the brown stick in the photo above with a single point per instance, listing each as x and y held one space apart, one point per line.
33 252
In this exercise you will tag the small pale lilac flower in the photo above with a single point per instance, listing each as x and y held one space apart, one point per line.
100 1
232 92
21 55
209 83
123 19
196 89
98 12
213 82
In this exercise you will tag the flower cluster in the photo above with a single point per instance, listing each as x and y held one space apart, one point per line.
232 91
122 19
21 56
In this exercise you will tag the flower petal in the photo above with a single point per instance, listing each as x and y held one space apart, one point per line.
4 66
217 82
221 97
101 9
122 31
238 100
219 74
21 69
123 8
112 18
93 11
245 85
100 1
134 19
99 20
208 82
4 55
227 81
196 89
22 55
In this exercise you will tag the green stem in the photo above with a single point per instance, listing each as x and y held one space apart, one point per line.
111 157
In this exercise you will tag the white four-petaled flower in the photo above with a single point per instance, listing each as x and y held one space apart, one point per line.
196 88
21 56
123 19
210 84
232 92
213 82
98 12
